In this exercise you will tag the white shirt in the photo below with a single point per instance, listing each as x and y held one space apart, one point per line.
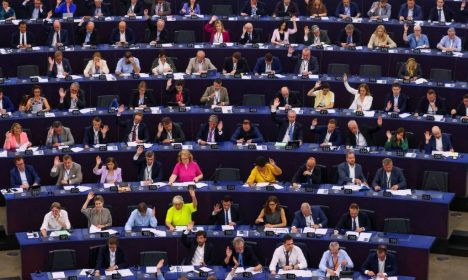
360 140
200 65
267 67
216 98
381 265
50 223
122 37
162 68
296 257
352 171
439 146
442 15
327 137
410 12
24 179
23 39
234 66
356 221
388 179
309 221
60 69
199 255
466 111
112 258
148 172
35 14
286 137
430 110
96 136
304 66
218 38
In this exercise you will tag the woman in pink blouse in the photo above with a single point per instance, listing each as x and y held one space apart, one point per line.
216 28
186 170
109 172
15 137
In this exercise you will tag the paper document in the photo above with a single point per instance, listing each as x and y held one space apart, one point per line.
151 269
205 269
322 191
277 230
94 229
57 233
437 118
364 237
352 187
124 272
180 228
401 192
76 149
182 268
297 272
321 231
58 274
337 187
227 227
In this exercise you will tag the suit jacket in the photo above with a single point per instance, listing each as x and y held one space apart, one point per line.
66 138
81 36
448 13
346 223
291 11
321 130
312 66
156 169
323 38
177 134
191 245
253 134
293 100
137 10
275 65
104 10
209 28
417 12
148 99
31 176
396 178
172 92
9 107
403 72
461 109
401 102
247 9
318 216
192 65
66 67
372 264
315 178
343 173
343 37
249 258
367 132
223 96
255 38
282 121
88 137
242 65
446 144
340 9
15 39
163 34
63 36
75 176
142 132
424 104
166 9
219 218
81 103
103 259
129 36
202 133
29 8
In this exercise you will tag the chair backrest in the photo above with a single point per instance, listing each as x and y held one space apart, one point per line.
286 213
106 100
397 225
333 175
25 71
305 250
64 259
441 75
151 258
259 31
410 137
93 254
1 72
323 173
372 71
325 209
435 180
399 64
227 174
221 10
184 36
253 100
371 215
337 69
147 36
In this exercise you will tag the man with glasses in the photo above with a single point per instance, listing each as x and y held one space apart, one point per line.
23 175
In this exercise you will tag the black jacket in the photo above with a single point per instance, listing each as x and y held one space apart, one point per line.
293 100
128 126
254 40
343 37
177 134
298 133
148 100
104 10
367 132
242 65
312 66
448 13
219 218
424 104
15 39
402 99
315 178
172 92
81 36
163 35
345 222
202 133
88 136
249 258
66 67
191 246
103 259
156 169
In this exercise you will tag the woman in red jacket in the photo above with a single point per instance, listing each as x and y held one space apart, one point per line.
216 28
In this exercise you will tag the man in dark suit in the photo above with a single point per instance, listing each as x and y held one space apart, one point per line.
305 64
146 100
462 108
315 36
364 136
347 9
225 214
5 103
134 8
405 8
286 8
211 132
149 169
289 128
96 133
87 34
169 132
249 35
235 64
199 251
110 257
72 98
350 172
57 36
269 64
33 9
158 34
327 135
287 99
253 8
349 37
371 266
98 9
307 174
395 101
431 104
246 134
122 35
59 66
441 13
244 255
438 141
160 8
309 216
389 177
23 175
135 130
22 38
354 220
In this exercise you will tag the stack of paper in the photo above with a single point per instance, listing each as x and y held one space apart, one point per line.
57 233
297 272
365 236
227 227
277 230
182 268
123 272
58 274
159 233
80 188
401 192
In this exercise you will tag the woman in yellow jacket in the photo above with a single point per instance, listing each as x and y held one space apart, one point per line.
264 171
324 97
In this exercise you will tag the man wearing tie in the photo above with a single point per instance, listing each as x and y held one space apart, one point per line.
354 220
59 135
225 214
98 9
244 254
67 172
57 36
349 37
450 42
211 132
88 34
441 13
95 134
22 38
136 130
287 256
215 95
380 263
306 64
347 9
133 8
287 99
309 217
149 169
249 35
389 177
289 129
34 10
110 257
253 8
307 174
327 135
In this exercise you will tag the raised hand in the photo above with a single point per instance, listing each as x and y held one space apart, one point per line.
56 161
104 129
98 160
276 102
51 60
217 208
272 162
140 150
90 196
228 252
389 134
427 136
160 127
317 84
345 77
220 125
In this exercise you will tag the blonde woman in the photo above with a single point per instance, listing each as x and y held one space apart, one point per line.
186 170
380 39
411 70
362 96
216 28
324 97
96 66
316 8
281 34
16 138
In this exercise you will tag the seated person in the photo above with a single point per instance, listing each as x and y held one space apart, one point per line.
218 35
308 216
122 35
263 172
149 169
324 97
354 220
327 135
160 8
97 9
361 136
411 70
56 219
305 64
73 98
23 175
57 36
281 34
169 132
461 110
34 9
67 172
110 172
349 36
347 9
286 99
438 141
142 98
15 138
335 260
22 38
253 8
186 169
180 214
316 8
389 177
307 174
135 130
380 10
410 11
128 65
87 34
190 8
268 64
37 103
415 39
178 94
23 102
247 134
59 66
97 65
59 135
285 8
450 42
65 7
315 36
250 35
6 106
380 38
241 253
396 100
95 133
431 104
158 34
397 141
287 256
110 257
199 64
441 13
99 216
289 129
235 64
162 64
350 172
272 214
200 252
215 95
134 8
142 216
225 214
380 264
362 96
212 132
